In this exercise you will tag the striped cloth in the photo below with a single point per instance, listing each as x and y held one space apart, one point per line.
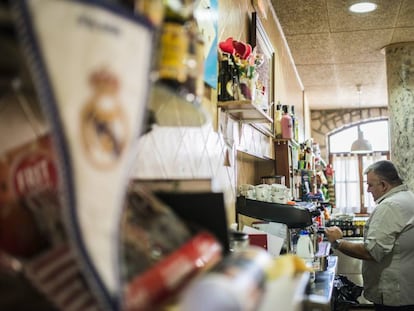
57 275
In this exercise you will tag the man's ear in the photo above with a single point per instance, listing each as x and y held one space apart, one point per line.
385 185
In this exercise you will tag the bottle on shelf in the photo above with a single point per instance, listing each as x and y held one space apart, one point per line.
309 155
278 119
178 67
295 123
357 228
225 79
286 123
180 45
235 88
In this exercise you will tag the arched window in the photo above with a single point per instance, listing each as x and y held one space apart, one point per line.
351 194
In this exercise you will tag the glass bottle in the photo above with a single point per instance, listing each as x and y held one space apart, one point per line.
286 123
174 46
295 123
235 88
278 118
180 66
225 78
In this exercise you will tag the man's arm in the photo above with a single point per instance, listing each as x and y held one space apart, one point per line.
356 250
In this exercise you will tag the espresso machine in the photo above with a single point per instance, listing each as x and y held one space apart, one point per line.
297 217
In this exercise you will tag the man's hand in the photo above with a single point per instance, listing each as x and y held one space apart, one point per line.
333 233
356 250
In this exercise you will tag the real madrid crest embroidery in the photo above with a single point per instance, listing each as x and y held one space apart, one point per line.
104 125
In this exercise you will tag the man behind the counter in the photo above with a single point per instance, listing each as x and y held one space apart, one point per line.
388 248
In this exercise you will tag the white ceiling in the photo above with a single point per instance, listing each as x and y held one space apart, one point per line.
334 49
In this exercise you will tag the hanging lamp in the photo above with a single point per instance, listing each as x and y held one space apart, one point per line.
361 145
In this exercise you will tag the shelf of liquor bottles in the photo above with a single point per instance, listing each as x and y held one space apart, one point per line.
350 226
254 156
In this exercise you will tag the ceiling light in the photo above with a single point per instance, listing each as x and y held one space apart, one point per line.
361 145
363 7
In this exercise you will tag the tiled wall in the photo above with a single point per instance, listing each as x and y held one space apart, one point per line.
186 153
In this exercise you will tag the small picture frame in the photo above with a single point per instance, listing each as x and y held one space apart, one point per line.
260 41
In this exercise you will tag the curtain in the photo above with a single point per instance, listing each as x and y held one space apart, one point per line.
347 182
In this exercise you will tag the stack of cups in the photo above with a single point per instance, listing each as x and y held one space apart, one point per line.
263 192
247 191
279 193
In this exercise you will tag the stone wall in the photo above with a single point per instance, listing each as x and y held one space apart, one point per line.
400 82
324 122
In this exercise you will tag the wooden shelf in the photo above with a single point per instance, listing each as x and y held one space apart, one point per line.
263 129
245 110
254 156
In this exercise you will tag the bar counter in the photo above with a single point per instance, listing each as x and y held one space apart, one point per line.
297 294
319 294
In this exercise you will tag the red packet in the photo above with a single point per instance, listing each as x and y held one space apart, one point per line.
166 278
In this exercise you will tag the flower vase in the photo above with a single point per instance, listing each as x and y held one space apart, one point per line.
247 88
